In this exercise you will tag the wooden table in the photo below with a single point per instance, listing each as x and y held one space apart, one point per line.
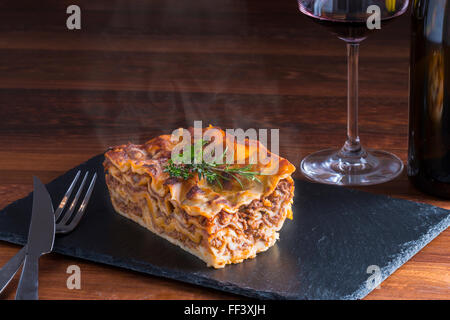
140 68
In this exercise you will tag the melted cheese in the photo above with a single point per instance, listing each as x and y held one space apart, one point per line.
151 157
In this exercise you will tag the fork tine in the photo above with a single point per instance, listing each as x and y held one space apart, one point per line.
69 211
66 197
76 219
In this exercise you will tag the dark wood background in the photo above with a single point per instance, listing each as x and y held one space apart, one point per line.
141 68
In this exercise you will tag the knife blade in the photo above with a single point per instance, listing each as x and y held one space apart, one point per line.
41 236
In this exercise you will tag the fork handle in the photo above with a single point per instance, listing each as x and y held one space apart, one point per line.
8 271
29 279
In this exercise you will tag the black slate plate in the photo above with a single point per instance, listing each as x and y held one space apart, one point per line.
324 253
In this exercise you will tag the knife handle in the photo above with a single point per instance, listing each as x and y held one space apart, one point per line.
29 279
8 271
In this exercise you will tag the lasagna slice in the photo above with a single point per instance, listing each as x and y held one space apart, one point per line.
220 224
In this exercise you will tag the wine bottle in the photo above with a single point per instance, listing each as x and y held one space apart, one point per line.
429 101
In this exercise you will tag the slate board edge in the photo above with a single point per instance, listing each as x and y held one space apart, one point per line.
403 258
206 282
150 269
199 280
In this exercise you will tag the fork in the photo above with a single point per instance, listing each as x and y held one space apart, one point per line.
63 225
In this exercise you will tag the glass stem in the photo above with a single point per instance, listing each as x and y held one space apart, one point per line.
352 146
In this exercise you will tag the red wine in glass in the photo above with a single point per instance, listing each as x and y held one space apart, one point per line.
348 19
352 21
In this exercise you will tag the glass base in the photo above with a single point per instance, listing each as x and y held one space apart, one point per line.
337 167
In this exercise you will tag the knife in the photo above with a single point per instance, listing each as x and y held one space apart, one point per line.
8 271
41 236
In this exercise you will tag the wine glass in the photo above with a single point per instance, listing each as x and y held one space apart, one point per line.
352 21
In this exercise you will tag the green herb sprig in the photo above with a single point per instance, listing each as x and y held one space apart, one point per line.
212 172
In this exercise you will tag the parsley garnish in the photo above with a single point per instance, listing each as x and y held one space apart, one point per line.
212 172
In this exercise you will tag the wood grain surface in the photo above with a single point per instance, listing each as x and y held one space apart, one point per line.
141 68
